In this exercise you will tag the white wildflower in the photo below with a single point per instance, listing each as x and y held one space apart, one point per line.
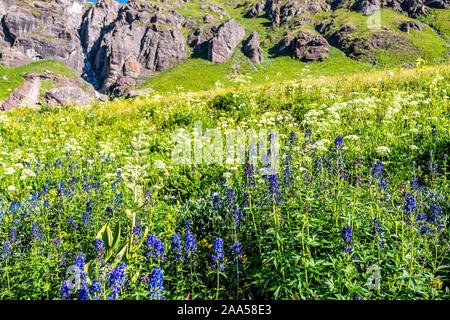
383 150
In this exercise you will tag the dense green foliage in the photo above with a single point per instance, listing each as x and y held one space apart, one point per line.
363 182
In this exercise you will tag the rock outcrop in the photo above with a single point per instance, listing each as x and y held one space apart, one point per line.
305 46
97 21
309 48
46 30
280 12
438 4
63 81
26 95
67 96
11 57
411 8
122 86
227 37
252 49
143 39
406 26
114 46
366 7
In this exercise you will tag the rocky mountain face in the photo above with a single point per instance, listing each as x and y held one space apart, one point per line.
115 46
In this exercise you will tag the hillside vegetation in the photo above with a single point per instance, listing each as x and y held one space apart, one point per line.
362 186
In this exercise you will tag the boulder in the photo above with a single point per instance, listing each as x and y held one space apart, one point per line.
26 95
406 26
305 46
209 18
189 24
309 48
256 9
132 67
284 46
336 38
252 49
214 7
63 81
122 87
11 57
438 4
280 11
366 7
67 95
227 37
414 8
38 47
200 37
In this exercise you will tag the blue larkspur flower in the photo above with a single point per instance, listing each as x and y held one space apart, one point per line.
7 252
218 256
83 292
99 248
347 238
64 291
87 214
237 253
338 144
308 133
36 233
80 260
190 245
377 229
71 223
175 246
216 200
116 280
156 285
155 248
409 205
95 289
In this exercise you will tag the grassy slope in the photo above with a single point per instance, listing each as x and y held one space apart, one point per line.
439 20
11 78
425 44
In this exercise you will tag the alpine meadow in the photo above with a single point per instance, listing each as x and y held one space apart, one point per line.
224 150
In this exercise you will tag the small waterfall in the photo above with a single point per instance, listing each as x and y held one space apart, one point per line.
89 73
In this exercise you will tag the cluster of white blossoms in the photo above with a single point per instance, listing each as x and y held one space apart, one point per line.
72 145
241 79
383 150
27 173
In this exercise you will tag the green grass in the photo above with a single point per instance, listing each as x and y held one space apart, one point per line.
199 74
193 75
11 78
439 20
425 44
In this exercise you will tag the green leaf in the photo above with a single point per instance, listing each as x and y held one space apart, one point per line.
122 252
109 237
116 237
102 230
143 238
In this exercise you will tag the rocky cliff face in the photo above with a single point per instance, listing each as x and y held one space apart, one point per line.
115 46
44 30
134 41
111 44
